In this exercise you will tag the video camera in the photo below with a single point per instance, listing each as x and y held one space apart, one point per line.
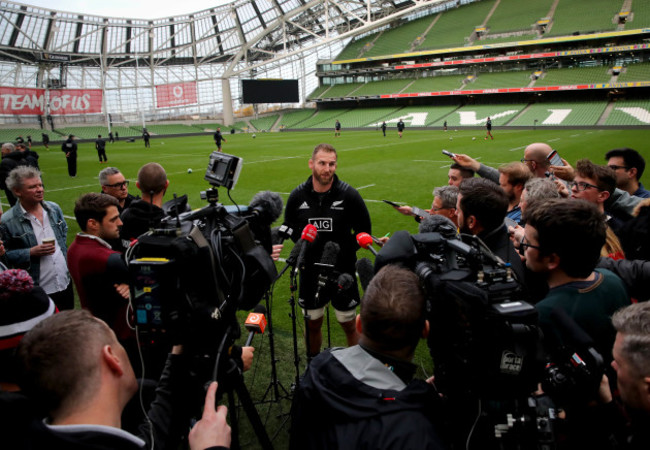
191 275
484 338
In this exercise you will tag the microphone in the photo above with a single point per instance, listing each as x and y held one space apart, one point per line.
437 223
327 262
345 282
365 272
365 241
267 206
281 234
255 323
308 235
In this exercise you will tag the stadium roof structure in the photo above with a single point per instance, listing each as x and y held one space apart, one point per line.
241 35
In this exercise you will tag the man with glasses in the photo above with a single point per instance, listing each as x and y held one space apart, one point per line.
114 184
562 241
629 166
444 204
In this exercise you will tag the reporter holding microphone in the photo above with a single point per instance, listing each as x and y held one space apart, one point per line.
338 212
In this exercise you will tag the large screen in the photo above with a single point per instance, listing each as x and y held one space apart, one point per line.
270 91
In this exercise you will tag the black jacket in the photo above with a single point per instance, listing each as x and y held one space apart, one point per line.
138 218
635 275
9 162
333 409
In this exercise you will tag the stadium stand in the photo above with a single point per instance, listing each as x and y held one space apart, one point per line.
454 25
10 134
635 72
584 16
383 87
400 39
491 39
325 119
355 48
520 78
513 15
422 116
576 75
439 83
561 114
342 90
293 119
82 132
366 117
170 129
476 115
264 123
318 91
630 112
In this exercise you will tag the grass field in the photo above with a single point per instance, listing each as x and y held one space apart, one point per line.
402 170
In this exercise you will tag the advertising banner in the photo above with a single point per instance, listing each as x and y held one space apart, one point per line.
177 94
28 101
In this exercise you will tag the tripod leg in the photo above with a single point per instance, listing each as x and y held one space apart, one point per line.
329 336
234 421
251 412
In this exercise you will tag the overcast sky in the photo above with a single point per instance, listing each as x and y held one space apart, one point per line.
136 9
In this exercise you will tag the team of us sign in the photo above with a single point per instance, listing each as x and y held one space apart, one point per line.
50 101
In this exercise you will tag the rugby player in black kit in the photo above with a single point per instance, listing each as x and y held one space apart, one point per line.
339 213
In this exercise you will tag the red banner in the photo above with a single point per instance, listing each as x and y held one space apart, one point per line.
27 101
177 94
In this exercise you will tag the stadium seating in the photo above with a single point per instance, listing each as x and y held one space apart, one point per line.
399 39
476 115
420 116
561 114
630 112
82 132
366 117
584 16
519 78
324 118
355 48
455 25
264 123
318 92
10 134
635 72
342 90
513 15
577 75
439 83
383 87
170 129
293 119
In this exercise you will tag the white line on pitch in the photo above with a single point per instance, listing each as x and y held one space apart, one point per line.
72 187
516 148
367 186
553 140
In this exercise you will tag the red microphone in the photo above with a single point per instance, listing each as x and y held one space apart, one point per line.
308 236
365 241
255 323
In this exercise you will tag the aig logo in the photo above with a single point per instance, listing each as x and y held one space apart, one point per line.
324 224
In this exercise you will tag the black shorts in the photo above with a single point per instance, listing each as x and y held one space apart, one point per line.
341 301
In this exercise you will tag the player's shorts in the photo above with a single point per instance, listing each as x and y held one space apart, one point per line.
313 301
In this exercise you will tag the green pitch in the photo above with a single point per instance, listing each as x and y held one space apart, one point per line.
402 170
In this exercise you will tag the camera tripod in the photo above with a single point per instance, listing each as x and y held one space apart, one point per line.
275 384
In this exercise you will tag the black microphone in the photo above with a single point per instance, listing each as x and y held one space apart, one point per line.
308 235
345 282
365 272
281 234
267 206
292 259
255 323
437 223
326 264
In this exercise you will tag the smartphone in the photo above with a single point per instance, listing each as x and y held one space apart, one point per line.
448 153
554 158
419 212
509 222
391 203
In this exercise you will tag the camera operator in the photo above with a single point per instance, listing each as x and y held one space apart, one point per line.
141 215
481 209
336 209
365 395
76 370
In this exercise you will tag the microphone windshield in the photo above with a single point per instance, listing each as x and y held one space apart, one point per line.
330 253
295 251
345 281
365 272
364 240
437 223
256 320
268 205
